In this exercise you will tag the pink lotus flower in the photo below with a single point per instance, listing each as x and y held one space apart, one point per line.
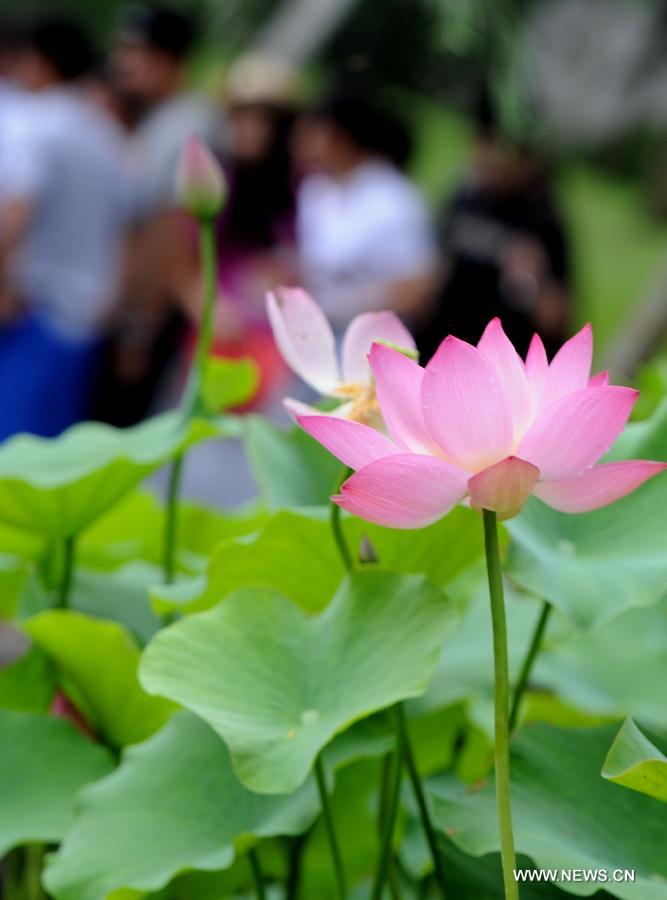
199 181
306 341
479 425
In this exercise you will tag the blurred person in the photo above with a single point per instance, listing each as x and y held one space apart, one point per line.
148 69
62 214
148 74
256 231
12 97
503 246
364 233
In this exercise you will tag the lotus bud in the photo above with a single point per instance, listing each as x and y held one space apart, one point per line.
200 182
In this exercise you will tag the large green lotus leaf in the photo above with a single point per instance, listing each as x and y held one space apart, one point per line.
466 877
28 683
353 802
293 553
441 552
636 763
229 382
14 575
44 762
174 804
56 487
121 596
465 670
97 664
277 684
134 529
595 565
201 529
566 816
290 468
16 542
644 440
615 669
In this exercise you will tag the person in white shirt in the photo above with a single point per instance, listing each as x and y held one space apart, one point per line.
63 212
364 232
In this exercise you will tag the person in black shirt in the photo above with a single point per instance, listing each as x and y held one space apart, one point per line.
504 250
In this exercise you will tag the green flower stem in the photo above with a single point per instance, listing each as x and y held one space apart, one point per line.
67 571
408 758
171 519
529 661
337 525
297 846
339 537
391 792
389 769
502 759
34 858
10 870
192 402
336 857
388 764
257 875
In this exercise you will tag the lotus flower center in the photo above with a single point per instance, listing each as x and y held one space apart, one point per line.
365 408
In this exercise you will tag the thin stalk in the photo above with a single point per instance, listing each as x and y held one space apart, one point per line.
171 519
295 863
192 401
337 526
386 781
257 874
388 767
339 537
391 793
334 847
408 757
11 874
529 661
32 876
65 585
394 881
501 678
385 785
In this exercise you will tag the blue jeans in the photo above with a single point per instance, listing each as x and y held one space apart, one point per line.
46 379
